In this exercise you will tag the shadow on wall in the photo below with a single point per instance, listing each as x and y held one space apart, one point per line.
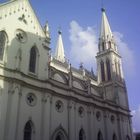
24 63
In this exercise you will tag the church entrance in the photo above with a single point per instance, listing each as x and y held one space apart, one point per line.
59 137
59 134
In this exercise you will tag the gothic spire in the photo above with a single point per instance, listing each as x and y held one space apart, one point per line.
59 52
106 32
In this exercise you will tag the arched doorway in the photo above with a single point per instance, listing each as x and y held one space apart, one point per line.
28 131
59 134
99 136
114 137
81 134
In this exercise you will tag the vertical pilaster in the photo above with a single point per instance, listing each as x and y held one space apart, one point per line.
75 120
89 123
71 120
43 119
8 111
106 123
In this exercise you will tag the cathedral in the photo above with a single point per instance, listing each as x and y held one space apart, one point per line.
43 97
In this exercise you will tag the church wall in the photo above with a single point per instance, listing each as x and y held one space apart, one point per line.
26 96
34 36
3 108
47 119
59 118
29 112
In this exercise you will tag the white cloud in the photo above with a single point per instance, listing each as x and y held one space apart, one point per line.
126 53
136 119
83 45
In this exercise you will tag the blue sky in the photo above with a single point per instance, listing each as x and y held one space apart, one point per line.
123 17
85 16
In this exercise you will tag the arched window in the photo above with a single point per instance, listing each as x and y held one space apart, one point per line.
102 71
58 137
108 69
119 67
28 129
114 137
116 68
33 59
109 44
3 39
99 136
81 134
127 137
103 46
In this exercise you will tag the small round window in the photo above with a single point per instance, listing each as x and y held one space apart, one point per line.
59 106
98 115
112 118
21 36
31 99
81 111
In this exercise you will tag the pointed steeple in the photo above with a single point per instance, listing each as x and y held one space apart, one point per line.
59 52
106 39
108 68
106 32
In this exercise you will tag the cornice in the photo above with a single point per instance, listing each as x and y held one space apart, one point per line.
53 87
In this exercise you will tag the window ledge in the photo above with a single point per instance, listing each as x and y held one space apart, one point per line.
32 74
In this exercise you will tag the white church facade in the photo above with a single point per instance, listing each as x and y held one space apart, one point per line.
44 98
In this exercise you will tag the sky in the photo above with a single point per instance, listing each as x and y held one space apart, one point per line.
80 22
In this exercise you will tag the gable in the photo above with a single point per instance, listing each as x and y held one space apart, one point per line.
23 30
20 15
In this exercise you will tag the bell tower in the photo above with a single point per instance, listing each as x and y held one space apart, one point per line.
108 57
109 65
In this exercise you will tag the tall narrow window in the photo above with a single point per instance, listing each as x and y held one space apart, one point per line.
103 46
116 68
28 131
119 67
58 137
33 60
102 71
81 134
109 44
108 69
114 137
3 39
99 137
127 137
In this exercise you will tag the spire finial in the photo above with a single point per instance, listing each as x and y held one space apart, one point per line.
103 9
59 30
102 6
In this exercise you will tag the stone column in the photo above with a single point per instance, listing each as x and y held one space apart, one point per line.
18 115
8 112
93 127
106 123
120 128
75 122
89 124
47 105
71 121
43 117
